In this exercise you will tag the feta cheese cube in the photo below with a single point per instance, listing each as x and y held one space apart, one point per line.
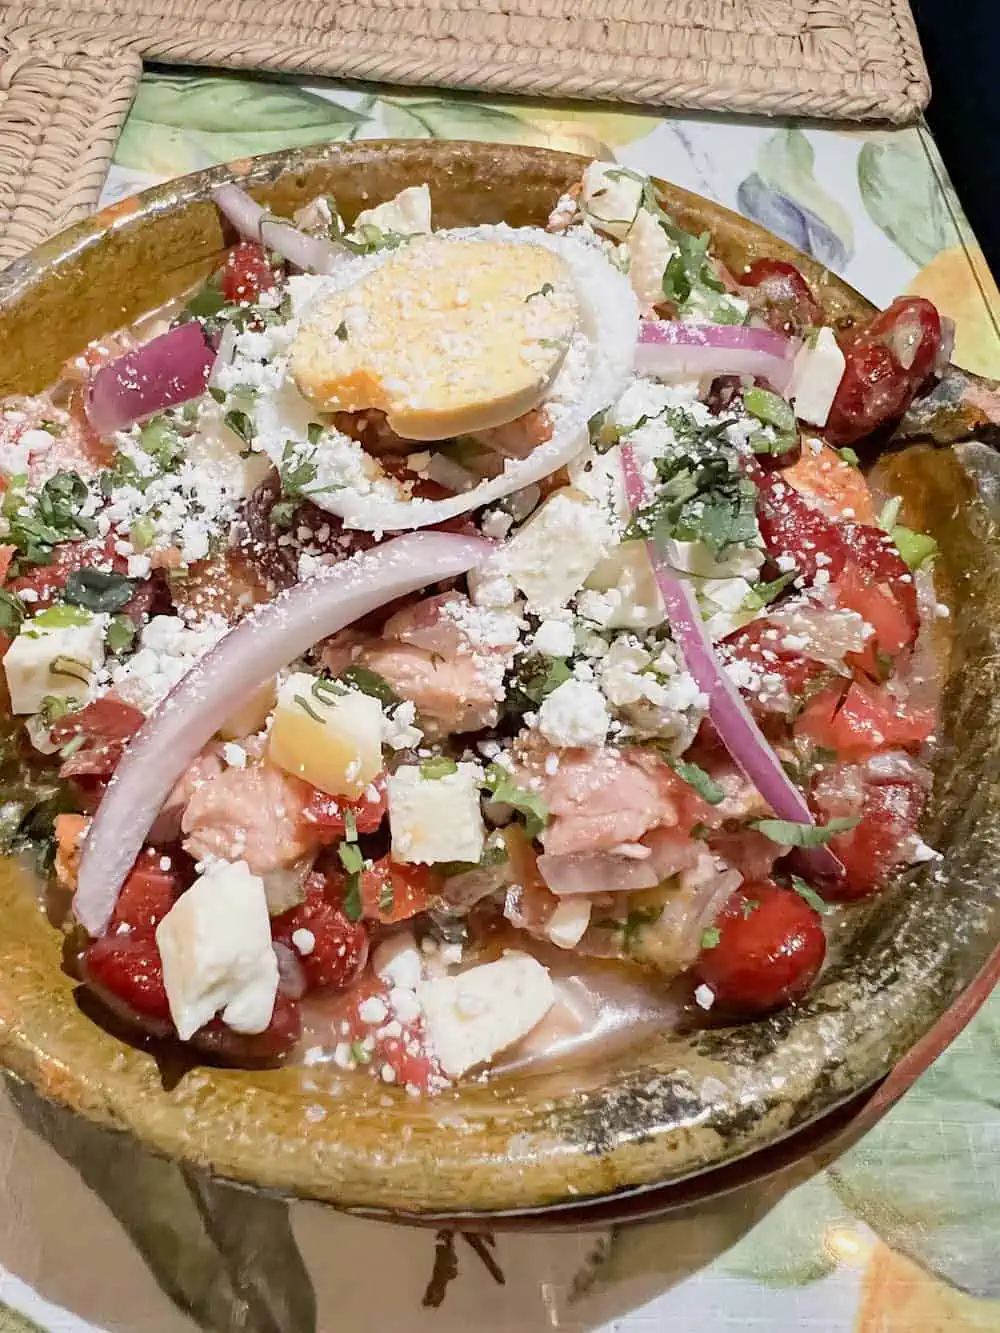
327 734
436 819
475 1015
215 944
554 638
549 558
611 198
819 368
574 714
57 652
409 213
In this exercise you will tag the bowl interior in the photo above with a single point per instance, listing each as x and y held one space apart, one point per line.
662 1111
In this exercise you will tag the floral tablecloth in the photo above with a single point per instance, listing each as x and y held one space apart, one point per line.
902 1235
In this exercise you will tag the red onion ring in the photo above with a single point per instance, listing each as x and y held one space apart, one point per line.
730 715
596 872
672 348
312 254
164 372
268 639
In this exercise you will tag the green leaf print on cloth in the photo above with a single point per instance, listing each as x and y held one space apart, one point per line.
181 124
784 196
900 191
451 118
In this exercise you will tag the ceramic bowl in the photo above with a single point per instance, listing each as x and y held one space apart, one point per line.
681 1104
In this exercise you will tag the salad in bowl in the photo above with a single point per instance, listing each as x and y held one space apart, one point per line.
433 650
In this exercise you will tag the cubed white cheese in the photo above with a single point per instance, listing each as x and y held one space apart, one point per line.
215 944
611 198
436 818
549 558
409 213
819 368
58 652
475 1015
327 734
574 714
568 924
635 603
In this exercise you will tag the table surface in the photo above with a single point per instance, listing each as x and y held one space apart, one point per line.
900 1236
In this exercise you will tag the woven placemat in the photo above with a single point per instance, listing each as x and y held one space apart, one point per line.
63 100
68 68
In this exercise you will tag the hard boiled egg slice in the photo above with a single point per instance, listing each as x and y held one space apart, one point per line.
448 336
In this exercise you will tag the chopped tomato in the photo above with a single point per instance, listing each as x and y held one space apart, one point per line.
126 972
781 294
769 949
759 643
865 719
388 1041
253 1048
391 891
877 556
152 888
832 483
791 526
339 948
871 851
327 813
246 273
104 728
887 361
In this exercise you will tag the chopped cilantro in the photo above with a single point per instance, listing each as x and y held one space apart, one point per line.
528 804
12 613
218 394
327 691
916 548
703 783
142 533
207 301
341 331
361 1056
121 635
546 289
308 709
536 676
298 475
386 896
764 593
370 682
160 439
440 766
55 706
637 919
709 501
711 937
53 516
240 424
99 590
807 892
790 834
314 432
771 409
354 863
849 456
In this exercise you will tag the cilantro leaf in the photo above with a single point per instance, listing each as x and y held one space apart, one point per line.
790 834
437 767
709 501
98 590
807 892
353 862
121 635
711 937
535 677
370 682
12 613
703 783
527 803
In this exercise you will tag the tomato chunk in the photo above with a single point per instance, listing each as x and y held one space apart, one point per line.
889 813
791 526
340 946
391 891
770 947
781 294
887 361
105 727
394 1049
152 888
865 719
126 972
328 813
246 273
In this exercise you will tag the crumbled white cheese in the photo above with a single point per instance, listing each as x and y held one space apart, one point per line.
303 941
554 638
407 214
168 649
397 961
399 729
215 944
574 714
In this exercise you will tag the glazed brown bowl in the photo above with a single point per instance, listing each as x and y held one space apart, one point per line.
676 1106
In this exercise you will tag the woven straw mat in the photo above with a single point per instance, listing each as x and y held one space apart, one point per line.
64 96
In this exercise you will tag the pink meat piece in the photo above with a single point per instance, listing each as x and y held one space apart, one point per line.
250 814
167 827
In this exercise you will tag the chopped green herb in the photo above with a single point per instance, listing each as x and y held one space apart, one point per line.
440 766
916 548
699 830
71 666
386 897
327 691
370 682
12 613
703 783
240 424
748 906
341 331
142 533
889 513
218 394
354 863
207 301
549 342
298 475
54 517
99 590
535 677
55 706
527 804
791 834
764 593
307 708
849 456
637 919
61 616
74 743
121 635
711 937
807 892
546 289
314 432
361 1056
350 826
709 501
52 428
160 439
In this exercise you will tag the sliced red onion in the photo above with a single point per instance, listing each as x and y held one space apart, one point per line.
730 715
312 254
164 372
224 679
596 872
672 348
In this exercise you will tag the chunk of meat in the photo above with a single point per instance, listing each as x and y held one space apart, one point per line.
250 814
602 798
427 658
167 825
518 438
